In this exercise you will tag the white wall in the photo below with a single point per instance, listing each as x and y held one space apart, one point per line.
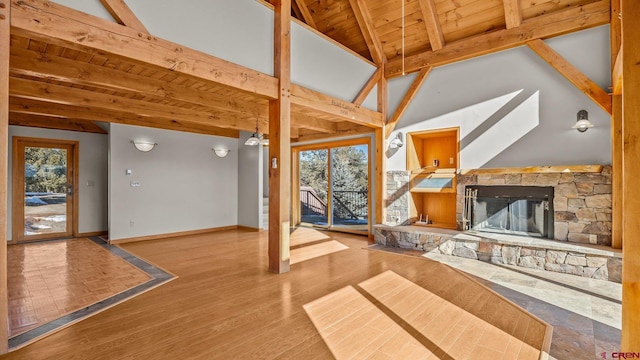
250 183
321 65
513 109
240 31
92 200
184 185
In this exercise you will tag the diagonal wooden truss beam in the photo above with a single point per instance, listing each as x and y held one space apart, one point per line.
430 16
306 14
512 13
363 17
545 26
571 73
406 100
123 14
54 122
366 89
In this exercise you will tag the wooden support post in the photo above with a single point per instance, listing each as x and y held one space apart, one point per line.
631 177
617 173
616 130
5 38
381 186
280 143
381 164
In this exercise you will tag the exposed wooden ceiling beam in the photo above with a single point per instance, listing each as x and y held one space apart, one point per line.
369 33
571 73
406 100
343 129
342 110
46 108
512 13
553 24
54 122
69 95
307 122
306 14
430 16
366 89
123 14
31 63
53 23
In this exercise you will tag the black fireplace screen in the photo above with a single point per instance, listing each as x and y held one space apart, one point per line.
520 210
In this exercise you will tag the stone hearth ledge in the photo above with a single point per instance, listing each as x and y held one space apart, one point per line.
592 261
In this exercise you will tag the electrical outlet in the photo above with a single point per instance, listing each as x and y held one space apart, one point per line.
450 161
131 223
135 183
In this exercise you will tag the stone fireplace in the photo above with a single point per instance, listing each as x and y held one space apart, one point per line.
508 209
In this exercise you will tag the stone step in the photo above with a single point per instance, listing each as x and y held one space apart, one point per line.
592 261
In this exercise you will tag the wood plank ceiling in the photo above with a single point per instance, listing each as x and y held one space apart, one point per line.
437 32
70 69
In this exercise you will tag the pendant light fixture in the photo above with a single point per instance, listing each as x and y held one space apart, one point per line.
255 138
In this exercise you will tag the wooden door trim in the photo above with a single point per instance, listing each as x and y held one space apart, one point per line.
295 180
17 213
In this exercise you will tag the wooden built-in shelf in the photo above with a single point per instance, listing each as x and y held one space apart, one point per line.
432 159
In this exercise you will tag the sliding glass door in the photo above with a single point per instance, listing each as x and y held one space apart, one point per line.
333 185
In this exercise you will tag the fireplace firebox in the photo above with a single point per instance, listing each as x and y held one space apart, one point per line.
518 210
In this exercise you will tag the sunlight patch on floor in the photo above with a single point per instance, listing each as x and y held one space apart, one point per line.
393 318
313 251
352 327
302 235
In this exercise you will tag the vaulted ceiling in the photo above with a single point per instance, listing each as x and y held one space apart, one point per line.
436 32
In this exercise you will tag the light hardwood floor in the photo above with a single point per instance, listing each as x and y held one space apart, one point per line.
225 305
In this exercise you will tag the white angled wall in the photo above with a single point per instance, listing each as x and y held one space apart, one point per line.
514 109
184 186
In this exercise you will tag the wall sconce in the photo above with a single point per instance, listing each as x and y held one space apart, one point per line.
396 142
221 152
583 123
144 146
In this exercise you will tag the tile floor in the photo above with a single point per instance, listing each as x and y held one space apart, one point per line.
585 313
54 283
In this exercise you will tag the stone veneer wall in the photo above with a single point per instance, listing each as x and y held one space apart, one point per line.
550 256
581 203
398 198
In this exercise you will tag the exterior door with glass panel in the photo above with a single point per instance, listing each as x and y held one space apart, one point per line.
43 188
333 185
